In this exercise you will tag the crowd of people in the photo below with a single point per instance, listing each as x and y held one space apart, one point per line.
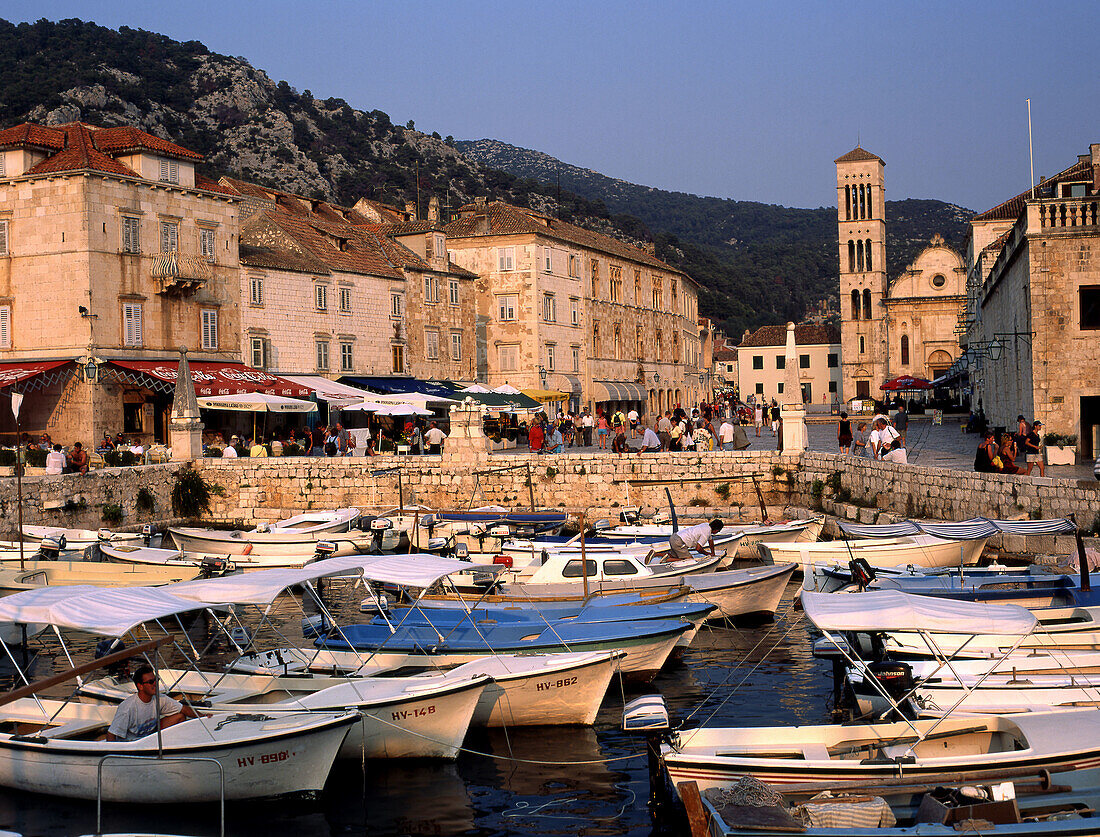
885 440
998 456
706 427
328 440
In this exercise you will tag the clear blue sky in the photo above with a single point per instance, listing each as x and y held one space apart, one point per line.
747 100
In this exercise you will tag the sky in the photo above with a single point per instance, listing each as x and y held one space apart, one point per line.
743 100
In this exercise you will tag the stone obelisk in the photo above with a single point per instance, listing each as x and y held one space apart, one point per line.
792 411
185 427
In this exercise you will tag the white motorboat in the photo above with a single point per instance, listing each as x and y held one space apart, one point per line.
296 536
55 747
49 549
566 565
527 689
98 573
917 550
752 590
153 557
749 535
969 749
79 538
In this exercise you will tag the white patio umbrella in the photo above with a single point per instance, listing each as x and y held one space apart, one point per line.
366 407
402 410
257 402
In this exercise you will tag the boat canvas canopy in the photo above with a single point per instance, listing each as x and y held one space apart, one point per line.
891 610
264 586
978 527
96 610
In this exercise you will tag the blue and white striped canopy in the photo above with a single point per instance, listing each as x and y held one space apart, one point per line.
977 527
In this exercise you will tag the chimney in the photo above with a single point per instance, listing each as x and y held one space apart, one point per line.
479 201
1095 152
433 209
410 210
649 247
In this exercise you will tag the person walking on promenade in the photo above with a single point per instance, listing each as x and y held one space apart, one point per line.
775 416
664 430
901 421
758 417
1032 450
844 433
859 440
602 429
725 435
587 423
536 436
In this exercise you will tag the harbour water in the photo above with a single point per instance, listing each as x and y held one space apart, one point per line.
535 781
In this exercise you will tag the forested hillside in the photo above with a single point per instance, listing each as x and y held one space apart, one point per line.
758 263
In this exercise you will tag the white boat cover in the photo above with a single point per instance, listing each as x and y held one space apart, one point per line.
95 610
263 586
891 610
978 527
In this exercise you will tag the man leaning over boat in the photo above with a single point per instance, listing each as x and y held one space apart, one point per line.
699 536
136 717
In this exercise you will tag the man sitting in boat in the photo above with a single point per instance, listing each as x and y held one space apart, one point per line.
700 536
136 716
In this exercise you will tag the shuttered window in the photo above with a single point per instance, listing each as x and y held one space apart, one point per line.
131 324
5 326
131 234
209 329
259 353
3 238
169 171
169 237
206 244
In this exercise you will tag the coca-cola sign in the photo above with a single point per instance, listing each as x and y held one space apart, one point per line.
219 378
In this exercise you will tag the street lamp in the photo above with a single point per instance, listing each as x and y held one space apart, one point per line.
542 376
91 371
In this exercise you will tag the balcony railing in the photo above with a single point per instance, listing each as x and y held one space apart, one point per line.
1069 212
179 273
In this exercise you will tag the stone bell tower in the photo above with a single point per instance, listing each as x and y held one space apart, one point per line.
861 221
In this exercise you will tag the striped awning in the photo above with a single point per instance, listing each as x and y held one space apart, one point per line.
619 391
978 527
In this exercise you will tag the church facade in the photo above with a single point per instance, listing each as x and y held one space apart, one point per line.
889 327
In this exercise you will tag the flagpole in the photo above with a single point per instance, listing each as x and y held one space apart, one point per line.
1030 149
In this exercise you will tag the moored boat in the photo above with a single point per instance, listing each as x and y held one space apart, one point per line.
295 536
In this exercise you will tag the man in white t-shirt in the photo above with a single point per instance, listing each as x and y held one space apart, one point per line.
55 461
434 437
883 436
136 717
700 537
725 435
632 417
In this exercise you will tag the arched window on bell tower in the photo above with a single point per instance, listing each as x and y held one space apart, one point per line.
905 350
851 256
859 255
867 258
847 203
855 305
870 212
866 304
862 202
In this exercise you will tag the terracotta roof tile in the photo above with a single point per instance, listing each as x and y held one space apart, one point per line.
856 155
33 136
810 334
128 138
209 185
81 155
1011 209
504 219
265 244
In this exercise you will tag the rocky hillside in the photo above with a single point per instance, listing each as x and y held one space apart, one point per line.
757 263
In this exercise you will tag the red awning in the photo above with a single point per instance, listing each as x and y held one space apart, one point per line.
20 371
215 378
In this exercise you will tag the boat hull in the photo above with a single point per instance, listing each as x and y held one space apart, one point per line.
919 551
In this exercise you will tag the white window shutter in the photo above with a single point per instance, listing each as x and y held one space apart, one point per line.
5 326
164 170
3 236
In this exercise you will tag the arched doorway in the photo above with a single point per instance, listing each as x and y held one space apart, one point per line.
938 363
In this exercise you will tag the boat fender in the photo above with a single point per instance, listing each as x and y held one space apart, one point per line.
247 549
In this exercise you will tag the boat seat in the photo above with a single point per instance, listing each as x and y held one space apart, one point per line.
84 728
815 752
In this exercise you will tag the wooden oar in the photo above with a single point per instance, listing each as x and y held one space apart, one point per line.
76 671
914 784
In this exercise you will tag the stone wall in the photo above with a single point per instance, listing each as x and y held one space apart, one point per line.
942 493
593 483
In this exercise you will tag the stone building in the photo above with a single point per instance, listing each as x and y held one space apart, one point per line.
889 327
349 292
1032 318
761 366
114 252
562 307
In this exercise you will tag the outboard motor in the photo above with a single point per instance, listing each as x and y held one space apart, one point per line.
104 535
441 546
461 552
628 516
106 647
51 547
375 603
378 528
323 549
429 522
241 636
476 530
214 566
896 677
862 572
263 528
501 533
147 532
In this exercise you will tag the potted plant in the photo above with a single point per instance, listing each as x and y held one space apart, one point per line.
1061 449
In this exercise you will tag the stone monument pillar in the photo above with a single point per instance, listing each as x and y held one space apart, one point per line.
791 411
185 426
466 443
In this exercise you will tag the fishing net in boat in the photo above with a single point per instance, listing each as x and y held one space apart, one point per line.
750 791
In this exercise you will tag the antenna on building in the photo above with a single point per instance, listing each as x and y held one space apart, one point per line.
1030 149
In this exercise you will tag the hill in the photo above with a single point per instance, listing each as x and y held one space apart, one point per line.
757 263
